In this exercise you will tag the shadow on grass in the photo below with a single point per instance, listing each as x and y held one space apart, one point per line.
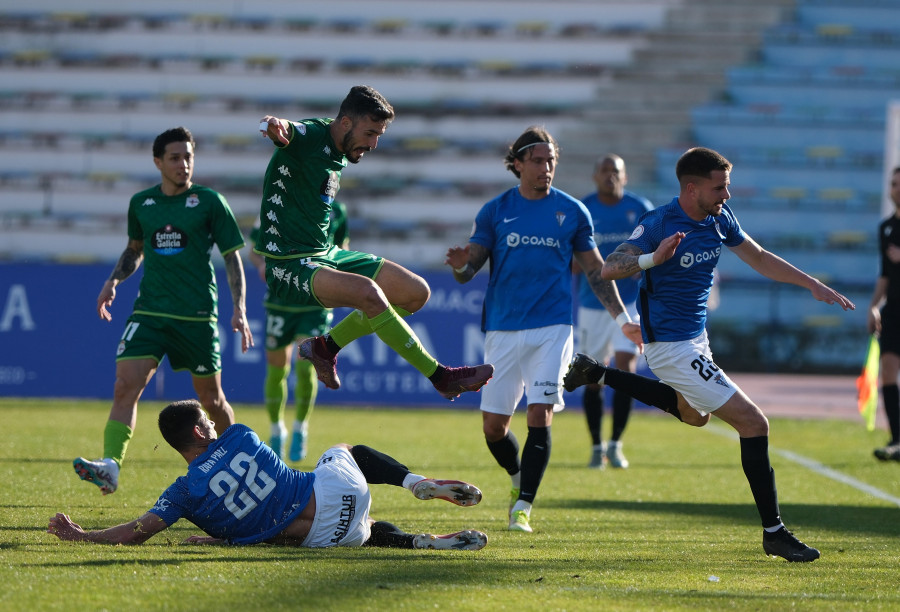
854 519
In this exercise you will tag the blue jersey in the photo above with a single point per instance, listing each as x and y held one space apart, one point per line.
672 298
613 225
531 243
239 490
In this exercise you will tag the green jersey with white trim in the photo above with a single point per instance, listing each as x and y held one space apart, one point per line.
338 233
302 180
178 234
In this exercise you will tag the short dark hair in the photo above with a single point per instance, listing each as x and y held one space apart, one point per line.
700 162
536 134
177 421
364 101
179 134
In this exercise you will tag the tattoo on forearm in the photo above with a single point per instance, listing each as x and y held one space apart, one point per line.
606 291
234 270
127 265
623 262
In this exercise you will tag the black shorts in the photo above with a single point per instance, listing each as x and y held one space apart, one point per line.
890 331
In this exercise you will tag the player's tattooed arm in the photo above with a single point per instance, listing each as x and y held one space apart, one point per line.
466 261
129 261
607 292
234 271
478 255
622 263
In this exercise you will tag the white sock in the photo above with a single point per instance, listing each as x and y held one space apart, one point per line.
278 430
521 505
517 480
301 426
411 479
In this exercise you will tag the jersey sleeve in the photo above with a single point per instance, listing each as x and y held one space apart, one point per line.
648 233
483 231
173 503
225 231
584 233
135 232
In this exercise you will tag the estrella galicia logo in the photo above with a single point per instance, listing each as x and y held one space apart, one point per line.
169 240
330 187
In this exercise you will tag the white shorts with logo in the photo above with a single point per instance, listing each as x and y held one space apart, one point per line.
342 502
687 366
529 361
600 336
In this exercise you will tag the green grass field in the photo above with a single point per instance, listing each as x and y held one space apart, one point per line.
678 530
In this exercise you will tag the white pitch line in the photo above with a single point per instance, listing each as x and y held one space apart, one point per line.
816 467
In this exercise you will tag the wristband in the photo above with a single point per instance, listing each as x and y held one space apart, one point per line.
622 318
645 261
461 269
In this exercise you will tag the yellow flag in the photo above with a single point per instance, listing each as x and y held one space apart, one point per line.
867 385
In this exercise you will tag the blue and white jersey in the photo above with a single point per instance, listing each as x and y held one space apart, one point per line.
612 226
672 298
238 490
531 244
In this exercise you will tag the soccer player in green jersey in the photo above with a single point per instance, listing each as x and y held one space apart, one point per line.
285 325
172 229
303 266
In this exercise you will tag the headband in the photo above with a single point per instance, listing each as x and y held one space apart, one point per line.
532 144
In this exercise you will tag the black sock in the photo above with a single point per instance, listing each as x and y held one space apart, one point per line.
761 476
647 390
331 345
535 457
506 452
622 404
891 396
377 467
386 535
437 374
593 412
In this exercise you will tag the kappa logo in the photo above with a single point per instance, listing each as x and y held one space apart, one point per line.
271 247
192 201
280 185
271 230
326 150
149 202
201 368
271 216
276 199
284 170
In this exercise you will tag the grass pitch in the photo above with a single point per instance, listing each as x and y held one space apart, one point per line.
677 530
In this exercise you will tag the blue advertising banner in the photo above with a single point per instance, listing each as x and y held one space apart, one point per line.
53 344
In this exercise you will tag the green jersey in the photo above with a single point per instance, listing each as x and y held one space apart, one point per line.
178 234
338 234
302 180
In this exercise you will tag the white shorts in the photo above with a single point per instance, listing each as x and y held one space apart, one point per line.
687 366
532 361
342 502
600 336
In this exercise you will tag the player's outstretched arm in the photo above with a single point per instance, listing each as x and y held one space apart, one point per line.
628 260
137 531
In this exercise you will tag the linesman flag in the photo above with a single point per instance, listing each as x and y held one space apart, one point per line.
867 384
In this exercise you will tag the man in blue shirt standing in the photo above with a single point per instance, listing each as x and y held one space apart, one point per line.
676 248
615 212
530 233
239 491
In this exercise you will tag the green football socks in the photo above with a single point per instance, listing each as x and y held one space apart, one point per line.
116 436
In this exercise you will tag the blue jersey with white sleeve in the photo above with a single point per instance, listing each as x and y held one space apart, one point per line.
238 490
613 225
672 297
531 243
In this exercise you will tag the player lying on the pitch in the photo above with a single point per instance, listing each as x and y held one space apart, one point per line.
239 491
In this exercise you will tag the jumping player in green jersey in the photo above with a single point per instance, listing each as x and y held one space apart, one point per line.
172 228
285 325
304 267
